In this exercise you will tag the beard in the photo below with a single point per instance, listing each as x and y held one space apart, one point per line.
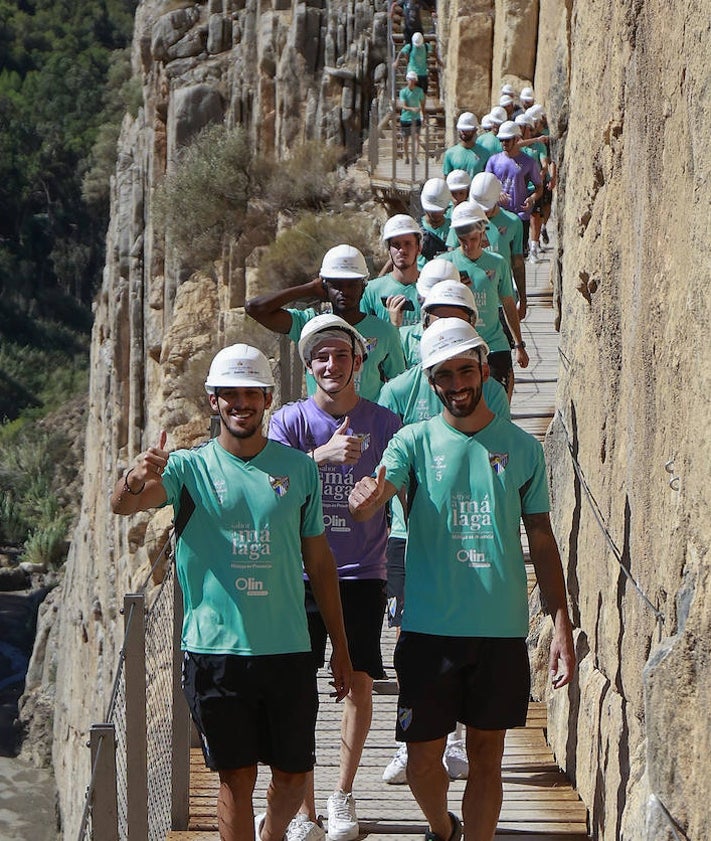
244 428
461 403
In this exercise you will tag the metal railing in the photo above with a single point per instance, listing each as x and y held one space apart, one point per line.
140 754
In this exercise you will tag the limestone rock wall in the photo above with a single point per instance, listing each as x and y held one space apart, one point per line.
633 410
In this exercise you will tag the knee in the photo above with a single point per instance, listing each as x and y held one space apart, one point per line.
361 692
292 785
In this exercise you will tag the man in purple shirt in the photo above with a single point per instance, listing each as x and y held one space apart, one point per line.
516 170
346 436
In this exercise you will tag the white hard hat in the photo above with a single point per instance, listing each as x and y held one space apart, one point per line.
435 271
435 195
399 225
506 100
498 115
329 326
509 130
524 120
526 95
450 293
410 76
467 122
418 39
536 112
448 338
343 262
239 366
459 179
468 213
487 122
508 90
485 189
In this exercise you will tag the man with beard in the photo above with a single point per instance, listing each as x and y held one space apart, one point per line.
461 656
251 522
346 437
342 280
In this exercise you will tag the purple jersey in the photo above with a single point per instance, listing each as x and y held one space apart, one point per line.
514 174
359 548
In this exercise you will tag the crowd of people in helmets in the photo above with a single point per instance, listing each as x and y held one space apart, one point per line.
395 488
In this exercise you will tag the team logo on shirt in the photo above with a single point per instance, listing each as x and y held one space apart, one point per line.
364 438
438 467
404 716
490 274
498 462
280 484
371 342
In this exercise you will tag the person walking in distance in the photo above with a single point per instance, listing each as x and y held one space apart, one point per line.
461 656
252 522
346 436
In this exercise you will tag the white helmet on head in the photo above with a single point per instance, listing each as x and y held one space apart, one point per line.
410 76
329 326
448 338
468 214
450 293
433 272
459 179
527 95
487 122
506 100
418 39
343 262
524 120
467 122
536 112
498 115
435 195
485 190
509 131
508 90
239 366
399 225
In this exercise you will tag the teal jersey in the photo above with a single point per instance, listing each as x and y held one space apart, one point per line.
442 232
510 229
385 358
410 340
490 143
465 572
385 287
490 282
417 58
413 98
239 560
537 151
471 160
412 398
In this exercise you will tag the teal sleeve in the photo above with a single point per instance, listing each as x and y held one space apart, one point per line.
535 499
298 319
396 459
312 512
495 396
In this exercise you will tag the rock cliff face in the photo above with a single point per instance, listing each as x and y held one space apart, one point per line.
627 86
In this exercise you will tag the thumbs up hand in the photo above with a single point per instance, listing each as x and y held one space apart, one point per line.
342 448
368 495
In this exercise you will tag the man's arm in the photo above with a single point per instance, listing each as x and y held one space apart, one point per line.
269 310
369 494
141 487
511 313
321 569
549 573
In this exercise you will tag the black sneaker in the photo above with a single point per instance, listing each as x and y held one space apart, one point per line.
455 835
544 235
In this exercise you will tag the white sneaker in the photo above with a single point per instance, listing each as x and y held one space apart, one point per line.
532 256
303 829
258 821
342 820
395 773
455 760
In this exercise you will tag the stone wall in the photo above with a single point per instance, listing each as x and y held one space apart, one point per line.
626 85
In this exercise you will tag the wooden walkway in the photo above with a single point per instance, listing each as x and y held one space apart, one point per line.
539 803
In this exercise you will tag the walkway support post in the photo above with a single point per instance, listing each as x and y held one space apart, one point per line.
134 617
104 807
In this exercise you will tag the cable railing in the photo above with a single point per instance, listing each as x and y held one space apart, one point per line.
140 753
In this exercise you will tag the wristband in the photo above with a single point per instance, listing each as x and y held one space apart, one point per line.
520 346
127 487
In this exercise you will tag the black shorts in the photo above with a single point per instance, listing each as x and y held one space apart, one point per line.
406 128
500 366
545 201
484 682
395 555
253 709
363 610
